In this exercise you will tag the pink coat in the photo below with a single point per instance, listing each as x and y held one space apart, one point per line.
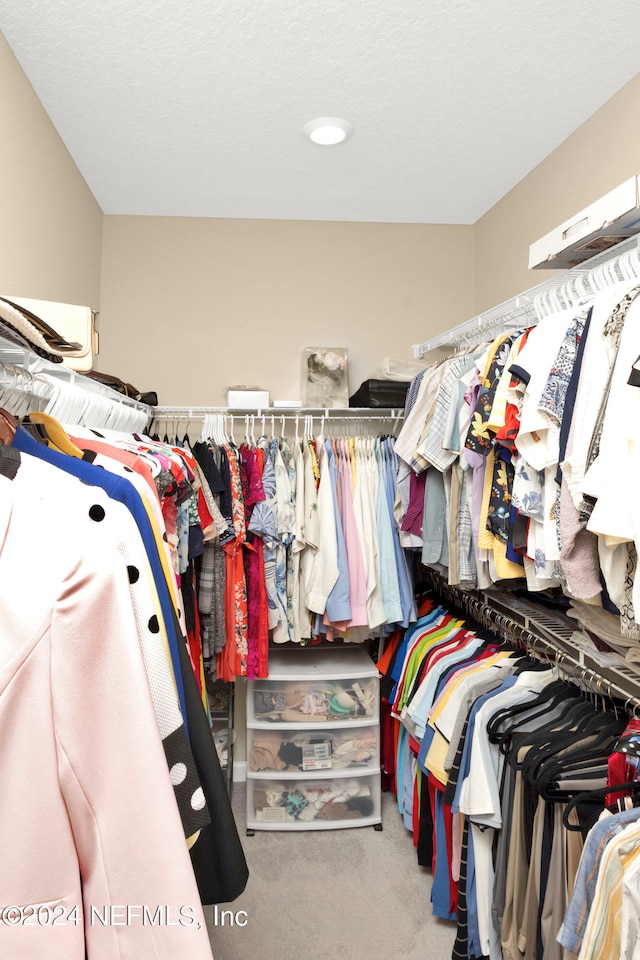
88 820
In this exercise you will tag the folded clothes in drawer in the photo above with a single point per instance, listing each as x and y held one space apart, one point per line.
306 751
312 800
302 701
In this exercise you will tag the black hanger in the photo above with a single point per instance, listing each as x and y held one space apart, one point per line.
547 764
583 762
541 738
550 790
37 431
570 729
586 795
525 711
524 706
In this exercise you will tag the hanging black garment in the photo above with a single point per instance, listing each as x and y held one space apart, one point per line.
206 462
217 856
425 832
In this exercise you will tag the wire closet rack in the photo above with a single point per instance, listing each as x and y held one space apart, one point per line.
28 382
547 636
562 291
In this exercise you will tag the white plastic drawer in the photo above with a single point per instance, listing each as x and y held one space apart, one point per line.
301 702
313 804
292 752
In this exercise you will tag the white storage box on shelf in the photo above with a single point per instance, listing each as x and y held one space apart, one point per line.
313 742
240 399
605 223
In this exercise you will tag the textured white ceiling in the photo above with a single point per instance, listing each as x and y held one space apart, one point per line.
196 108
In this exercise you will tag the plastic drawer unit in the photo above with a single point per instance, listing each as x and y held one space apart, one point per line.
313 742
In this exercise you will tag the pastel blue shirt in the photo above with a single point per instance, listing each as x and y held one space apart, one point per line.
577 912
338 608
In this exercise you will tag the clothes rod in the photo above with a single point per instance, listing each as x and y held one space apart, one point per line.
539 633
329 413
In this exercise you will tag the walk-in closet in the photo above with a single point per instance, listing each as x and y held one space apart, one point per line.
319 457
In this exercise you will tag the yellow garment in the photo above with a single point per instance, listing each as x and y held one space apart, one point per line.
505 569
437 754
499 406
434 761
352 459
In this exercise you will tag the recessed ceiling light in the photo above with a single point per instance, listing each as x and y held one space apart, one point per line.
328 131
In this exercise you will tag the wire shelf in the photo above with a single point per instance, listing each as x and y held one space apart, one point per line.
562 290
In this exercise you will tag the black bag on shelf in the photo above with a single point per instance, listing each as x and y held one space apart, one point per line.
380 393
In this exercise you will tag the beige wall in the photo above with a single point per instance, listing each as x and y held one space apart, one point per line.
190 307
50 223
600 155
247 296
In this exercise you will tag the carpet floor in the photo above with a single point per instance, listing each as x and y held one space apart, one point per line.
346 894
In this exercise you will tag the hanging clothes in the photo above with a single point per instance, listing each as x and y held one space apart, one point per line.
521 444
487 750
257 620
127 494
79 634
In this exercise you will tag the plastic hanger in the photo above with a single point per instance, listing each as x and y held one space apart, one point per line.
587 753
56 434
593 735
543 702
555 301
538 307
185 439
575 710
626 267
99 413
17 397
